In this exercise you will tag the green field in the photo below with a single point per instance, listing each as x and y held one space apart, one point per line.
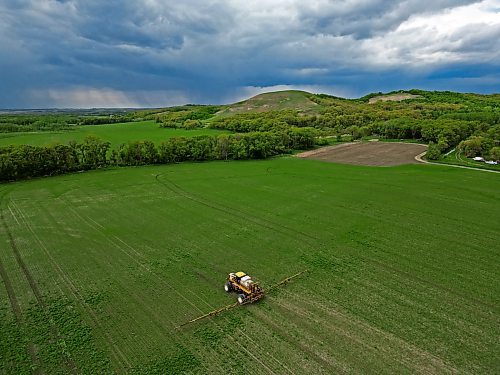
114 133
99 268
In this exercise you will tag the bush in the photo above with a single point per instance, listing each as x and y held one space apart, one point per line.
442 145
476 145
192 124
433 151
169 124
321 141
495 153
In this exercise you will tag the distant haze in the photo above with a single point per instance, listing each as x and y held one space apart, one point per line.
152 53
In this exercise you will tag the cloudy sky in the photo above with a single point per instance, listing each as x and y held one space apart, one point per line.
131 53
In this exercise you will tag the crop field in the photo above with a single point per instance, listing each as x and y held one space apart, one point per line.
99 268
114 133
368 153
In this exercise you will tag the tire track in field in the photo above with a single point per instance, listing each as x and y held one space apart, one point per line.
158 320
432 362
212 307
271 225
178 190
309 323
443 288
16 309
242 215
14 303
462 323
236 342
195 306
295 342
18 315
121 359
377 218
69 363
311 320
265 223
95 226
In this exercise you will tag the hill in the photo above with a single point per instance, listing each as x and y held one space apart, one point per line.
273 101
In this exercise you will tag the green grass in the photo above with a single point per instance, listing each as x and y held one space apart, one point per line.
403 269
114 133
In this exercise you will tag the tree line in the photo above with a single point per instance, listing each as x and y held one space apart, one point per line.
32 123
25 161
10 123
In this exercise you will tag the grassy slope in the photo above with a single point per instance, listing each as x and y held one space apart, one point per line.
114 133
403 268
273 101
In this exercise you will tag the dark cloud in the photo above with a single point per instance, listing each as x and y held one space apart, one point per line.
365 19
152 52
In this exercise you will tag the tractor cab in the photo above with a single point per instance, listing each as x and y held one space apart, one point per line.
237 276
240 282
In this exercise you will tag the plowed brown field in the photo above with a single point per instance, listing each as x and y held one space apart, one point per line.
372 153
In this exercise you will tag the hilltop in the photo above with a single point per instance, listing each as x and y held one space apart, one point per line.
273 101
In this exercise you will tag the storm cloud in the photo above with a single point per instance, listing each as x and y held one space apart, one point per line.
90 53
